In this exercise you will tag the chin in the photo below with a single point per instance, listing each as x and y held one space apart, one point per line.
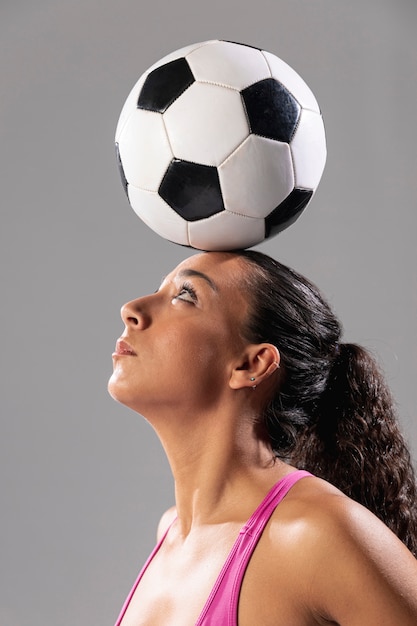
121 391
117 389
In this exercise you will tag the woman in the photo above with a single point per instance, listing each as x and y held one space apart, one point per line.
236 361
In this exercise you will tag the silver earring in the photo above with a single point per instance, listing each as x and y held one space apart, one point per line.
252 378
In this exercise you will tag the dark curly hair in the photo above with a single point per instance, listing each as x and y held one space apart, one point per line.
333 413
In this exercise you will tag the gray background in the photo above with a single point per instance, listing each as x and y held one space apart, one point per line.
83 480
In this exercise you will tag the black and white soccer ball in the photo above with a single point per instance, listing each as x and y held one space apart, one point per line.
220 145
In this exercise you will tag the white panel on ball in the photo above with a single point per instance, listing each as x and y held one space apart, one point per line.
309 139
292 81
144 149
156 214
266 168
226 231
228 64
206 124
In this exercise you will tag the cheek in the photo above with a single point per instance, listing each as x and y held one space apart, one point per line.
200 364
189 360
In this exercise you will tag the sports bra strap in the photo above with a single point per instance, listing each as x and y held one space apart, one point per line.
222 604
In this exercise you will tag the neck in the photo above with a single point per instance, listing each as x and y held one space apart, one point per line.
220 466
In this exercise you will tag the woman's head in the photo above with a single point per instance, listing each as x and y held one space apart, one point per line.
218 312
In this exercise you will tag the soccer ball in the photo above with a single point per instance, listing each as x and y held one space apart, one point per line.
220 145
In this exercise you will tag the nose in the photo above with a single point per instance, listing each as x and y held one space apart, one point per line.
134 314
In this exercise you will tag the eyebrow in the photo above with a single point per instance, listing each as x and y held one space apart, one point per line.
198 274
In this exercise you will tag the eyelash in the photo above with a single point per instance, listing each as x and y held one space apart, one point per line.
189 289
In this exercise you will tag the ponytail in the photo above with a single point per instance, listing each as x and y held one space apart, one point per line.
332 413
356 444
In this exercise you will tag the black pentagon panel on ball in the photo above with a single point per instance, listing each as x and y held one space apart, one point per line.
287 212
192 190
272 110
164 85
121 170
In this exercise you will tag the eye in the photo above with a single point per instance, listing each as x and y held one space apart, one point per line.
186 293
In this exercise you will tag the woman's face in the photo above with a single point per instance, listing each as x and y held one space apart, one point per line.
181 343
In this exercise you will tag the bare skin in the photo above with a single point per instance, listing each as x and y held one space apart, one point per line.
322 558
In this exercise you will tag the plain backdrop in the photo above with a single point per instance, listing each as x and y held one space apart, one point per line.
83 479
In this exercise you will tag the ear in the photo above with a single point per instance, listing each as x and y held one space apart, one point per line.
259 362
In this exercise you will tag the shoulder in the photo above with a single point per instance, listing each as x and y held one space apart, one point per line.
166 520
345 549
329 523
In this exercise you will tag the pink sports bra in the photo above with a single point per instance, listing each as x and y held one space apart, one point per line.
221 606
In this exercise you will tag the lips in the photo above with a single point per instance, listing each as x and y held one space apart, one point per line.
123 348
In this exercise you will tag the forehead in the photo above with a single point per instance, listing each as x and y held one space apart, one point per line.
225 270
